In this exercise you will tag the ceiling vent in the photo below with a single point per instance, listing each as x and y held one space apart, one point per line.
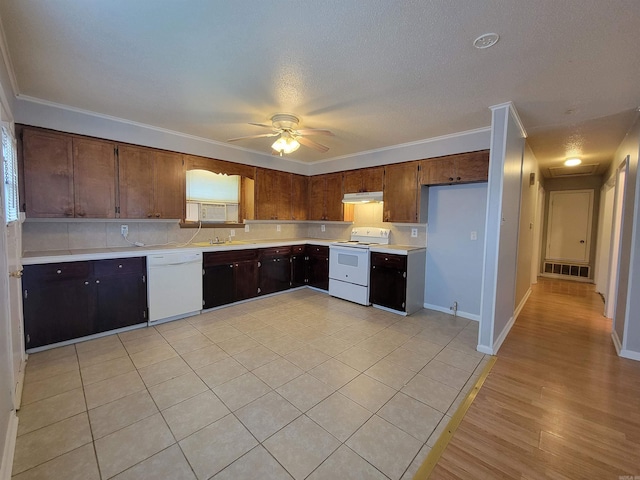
555 172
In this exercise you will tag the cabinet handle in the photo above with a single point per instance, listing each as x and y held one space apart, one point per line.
97 281
58 272
119 266
157 215
451 179
68 213
458 178
149 215
86 283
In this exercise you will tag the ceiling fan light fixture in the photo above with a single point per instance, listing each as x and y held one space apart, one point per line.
572 162
285 144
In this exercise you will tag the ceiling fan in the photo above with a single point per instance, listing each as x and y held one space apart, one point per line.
284 126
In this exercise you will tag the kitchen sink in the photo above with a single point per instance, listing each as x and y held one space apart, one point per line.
215 244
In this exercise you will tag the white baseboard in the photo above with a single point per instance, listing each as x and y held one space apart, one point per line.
522 304
9 447
484 349
503 335
616 341
438 308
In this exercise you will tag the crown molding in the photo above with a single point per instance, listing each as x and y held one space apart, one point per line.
514 113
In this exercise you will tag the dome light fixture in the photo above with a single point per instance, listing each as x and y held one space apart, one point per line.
572 162
285 144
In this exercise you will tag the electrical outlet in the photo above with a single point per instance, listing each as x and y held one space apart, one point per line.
474 235
414 233
124 230
278 228
246 227
322 228
232 232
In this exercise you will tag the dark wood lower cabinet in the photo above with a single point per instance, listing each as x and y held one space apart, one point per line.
318 264
275 269
64 301
299 268
388 280
229 277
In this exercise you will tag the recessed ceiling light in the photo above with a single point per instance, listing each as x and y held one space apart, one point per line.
572 162
487 40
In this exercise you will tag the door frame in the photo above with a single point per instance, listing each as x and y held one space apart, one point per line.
616 237
537 235
552 194
603 246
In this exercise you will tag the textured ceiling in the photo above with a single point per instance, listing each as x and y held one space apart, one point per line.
377 73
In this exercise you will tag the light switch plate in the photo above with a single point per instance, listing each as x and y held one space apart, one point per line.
278 228
232 232
474 235
414 233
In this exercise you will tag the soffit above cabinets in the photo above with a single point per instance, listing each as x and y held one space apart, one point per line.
379 74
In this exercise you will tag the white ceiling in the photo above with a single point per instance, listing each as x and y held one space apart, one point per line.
377 73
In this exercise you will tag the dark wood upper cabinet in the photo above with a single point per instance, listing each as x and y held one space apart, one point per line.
47 159
325 197
273 195
401 192
364 180
94 178
135 179
299 197
169 185
460 168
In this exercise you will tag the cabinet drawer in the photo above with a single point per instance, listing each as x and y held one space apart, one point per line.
297 249
116 266
267 252
388 260
318 249
220 258
57 271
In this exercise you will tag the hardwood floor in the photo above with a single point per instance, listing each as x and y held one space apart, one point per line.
559 403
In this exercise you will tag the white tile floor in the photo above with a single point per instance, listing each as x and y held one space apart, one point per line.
298 385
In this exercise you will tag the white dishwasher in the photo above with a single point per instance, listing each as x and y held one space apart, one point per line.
174 285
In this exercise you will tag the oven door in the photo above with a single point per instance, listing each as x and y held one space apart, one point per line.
349 264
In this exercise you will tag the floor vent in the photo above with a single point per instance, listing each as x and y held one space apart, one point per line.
567 269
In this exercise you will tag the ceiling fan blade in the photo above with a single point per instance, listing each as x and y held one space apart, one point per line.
261 125
311 144
254 136
314 131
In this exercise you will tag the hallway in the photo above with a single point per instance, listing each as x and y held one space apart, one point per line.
558 403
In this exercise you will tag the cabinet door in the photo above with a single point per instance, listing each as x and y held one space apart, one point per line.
299 197
353 181
317 185
121 293
438 171
473 167
298 266
94 178
333 197
275 270
372 179
218 285
169 185
245 279
388 281
135 174
273 195
401 192
318 265
57 303
48 172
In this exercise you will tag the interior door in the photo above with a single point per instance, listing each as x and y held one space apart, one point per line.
605 221
569 226
14 248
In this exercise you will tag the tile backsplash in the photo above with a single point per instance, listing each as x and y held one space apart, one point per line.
63 235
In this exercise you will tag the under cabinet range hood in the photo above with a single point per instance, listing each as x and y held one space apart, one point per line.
362 197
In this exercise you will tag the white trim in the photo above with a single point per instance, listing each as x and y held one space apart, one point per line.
9 447
498 343
514 113
484 349
425 141
616 341
17 394
470 316
6 58
522 304
630 354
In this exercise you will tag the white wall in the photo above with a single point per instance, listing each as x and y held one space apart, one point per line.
454 261
502 225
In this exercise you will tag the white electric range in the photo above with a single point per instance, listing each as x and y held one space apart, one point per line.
349 263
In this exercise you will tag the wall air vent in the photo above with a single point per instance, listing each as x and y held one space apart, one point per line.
555 172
